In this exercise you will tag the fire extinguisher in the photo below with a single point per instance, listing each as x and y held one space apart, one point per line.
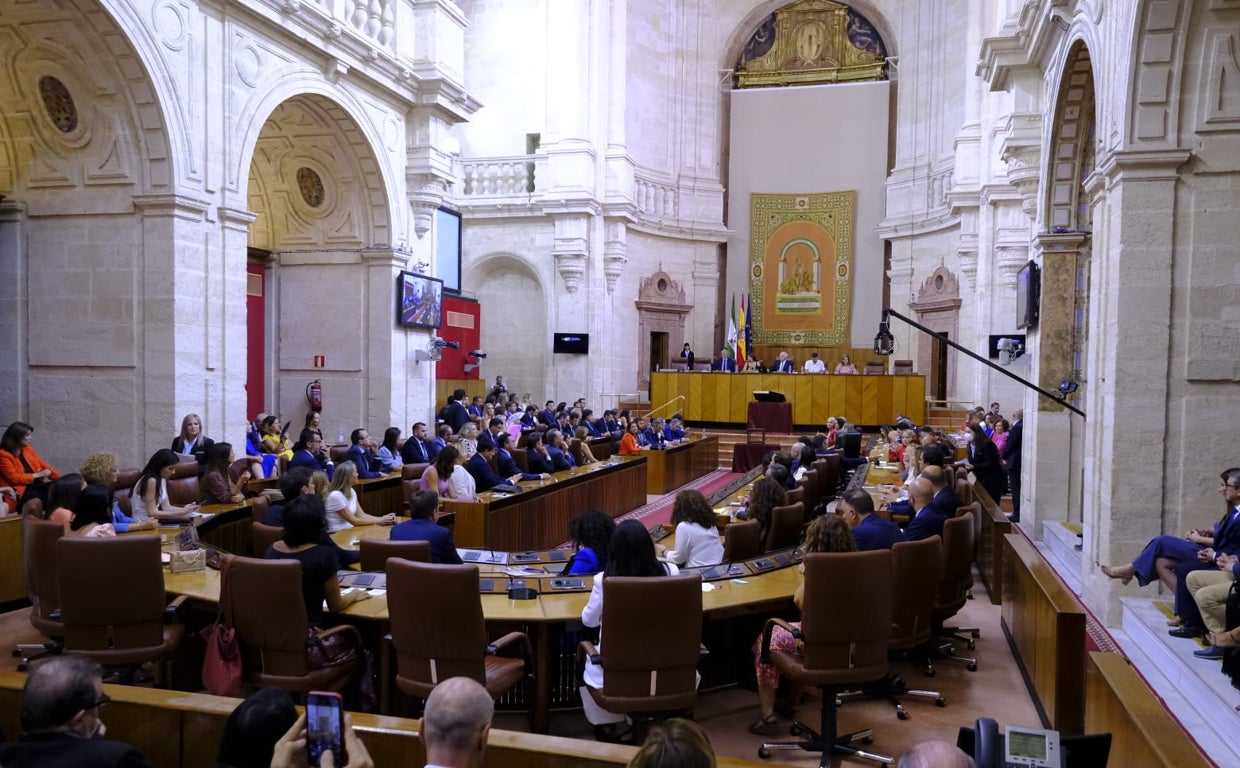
314 395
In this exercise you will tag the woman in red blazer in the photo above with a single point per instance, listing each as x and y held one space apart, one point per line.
21 468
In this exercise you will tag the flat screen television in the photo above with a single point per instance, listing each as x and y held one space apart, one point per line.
571 344
419 301
1028 288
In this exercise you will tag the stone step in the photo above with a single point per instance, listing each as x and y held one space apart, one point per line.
1193 689
1058 546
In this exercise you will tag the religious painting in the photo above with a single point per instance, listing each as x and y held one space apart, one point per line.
800 276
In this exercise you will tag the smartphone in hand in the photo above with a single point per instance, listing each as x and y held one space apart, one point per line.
325 727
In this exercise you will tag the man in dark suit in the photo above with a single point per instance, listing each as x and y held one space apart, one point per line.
456 415
506 465
422 527
415 450
479 465
359 453
61 722
945 497
309 452
547 417
495 428
928 519
536 455
654 434
1011 459
561 458
783 364
870 531
725 362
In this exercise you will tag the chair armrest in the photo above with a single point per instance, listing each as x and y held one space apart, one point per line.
527 651
587 649
342 628
766 636
175 605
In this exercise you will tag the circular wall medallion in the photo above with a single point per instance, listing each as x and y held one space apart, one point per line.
661 285
938 282
311 186
59 104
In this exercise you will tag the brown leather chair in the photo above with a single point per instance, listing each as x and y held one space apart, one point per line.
262 536
844 637
119 621
915 570
183 486
785 529
964 490
521 457
874 368
795 496
901 367
39 539
809 482
125 479
828 475
375 552
438 631
954 586
649 667
742 541
411 479
265 602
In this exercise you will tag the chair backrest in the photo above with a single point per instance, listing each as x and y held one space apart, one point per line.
111 592
125 479
521 457
974 513
579 454
375 552
964 490
262 536
785 530
916 567
828 468
337 453
847 629
957 576
183 486
644 659
237 467
901 366
809 481
742 541
265 601
39 539
795 495
438 630
411 479
873 367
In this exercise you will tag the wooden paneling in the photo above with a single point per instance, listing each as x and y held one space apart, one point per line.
12 568
445 387
1047 626
994 526
1142 732
723 398
673 467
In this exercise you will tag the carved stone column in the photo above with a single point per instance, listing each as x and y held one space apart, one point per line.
571 248
615 247
1021 150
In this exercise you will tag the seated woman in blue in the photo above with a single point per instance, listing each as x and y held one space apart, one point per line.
591 531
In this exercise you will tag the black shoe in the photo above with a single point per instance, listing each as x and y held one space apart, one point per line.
1187 632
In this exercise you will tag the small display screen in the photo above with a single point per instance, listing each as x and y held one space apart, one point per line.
1026 745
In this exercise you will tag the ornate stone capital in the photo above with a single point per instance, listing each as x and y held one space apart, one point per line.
571 248
615 248
1008 261
426 194
1024 173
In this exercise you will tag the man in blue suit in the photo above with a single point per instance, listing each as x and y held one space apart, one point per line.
359 454
422 527
415 450
507 465
561 459
928 519
309 452
725 362
479 465
871 531
536 455
654 434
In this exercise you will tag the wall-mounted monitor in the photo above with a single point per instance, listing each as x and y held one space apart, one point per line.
419 301
1028 290
448 249
571 344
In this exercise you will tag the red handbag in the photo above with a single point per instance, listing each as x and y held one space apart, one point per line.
221 666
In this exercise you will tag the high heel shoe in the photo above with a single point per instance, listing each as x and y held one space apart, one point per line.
1124 573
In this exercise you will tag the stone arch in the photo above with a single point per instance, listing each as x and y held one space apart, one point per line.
1071 153
514 295
747 24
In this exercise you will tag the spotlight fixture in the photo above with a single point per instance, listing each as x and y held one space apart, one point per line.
478 353
884 342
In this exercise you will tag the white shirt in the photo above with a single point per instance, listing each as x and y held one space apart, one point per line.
696 546
815 365
336 501
137 504
463 483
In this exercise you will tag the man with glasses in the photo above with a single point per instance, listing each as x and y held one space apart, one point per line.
309 452
61 721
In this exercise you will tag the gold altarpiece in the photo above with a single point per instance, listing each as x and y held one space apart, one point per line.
812 42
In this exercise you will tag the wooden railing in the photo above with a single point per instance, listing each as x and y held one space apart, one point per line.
183 730
990 550
1046 624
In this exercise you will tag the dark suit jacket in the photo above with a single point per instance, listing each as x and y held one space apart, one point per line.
484 477
199 451
560 459
653 438
508 466
414 451
1227 534
62 750
926 523
442 548
358 455
874 532
539 463
787 366
457 416
1012 448
547 417
304 458
725 364
947 500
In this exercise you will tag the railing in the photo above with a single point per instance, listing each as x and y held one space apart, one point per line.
678 398
498 177
657 199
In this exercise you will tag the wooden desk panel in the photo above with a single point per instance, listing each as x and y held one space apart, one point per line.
537 518
381 495
668 469
723 397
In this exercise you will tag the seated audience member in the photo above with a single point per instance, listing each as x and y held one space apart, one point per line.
796 466
62 721
254 727
783 364
274 440
310 452
506 465
932 454
654 433
870 530
447 478
935 754
547 415
529 419
494 426
623 419
314 420
92 513
21 468
343 507
290 751
725 362
217 488
595 426
479 466
582 454
361 453
389 459
475 410
293 483
833 429
305 525
766 494
674 430
828 533
8 501
537 457
591 534
148 497
697 533
416 450
62 498
928 518
457 723
421 526
814 364
945 497
467 441
561 459
443 436
629 445
191 441
1209 590
631 554
675 743
845 366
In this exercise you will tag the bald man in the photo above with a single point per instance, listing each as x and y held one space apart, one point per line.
945 497
928 518
456 723
935 754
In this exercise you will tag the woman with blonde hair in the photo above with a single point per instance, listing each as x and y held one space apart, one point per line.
344 509
191 441
100 469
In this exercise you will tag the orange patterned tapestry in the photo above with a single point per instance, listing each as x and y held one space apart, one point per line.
800 276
